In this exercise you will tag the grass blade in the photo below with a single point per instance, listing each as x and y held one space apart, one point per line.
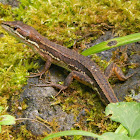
112 43
72 132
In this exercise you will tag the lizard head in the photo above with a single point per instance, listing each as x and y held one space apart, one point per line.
21 31
24 33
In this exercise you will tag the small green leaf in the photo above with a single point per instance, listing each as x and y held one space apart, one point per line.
114 136
0 128
128 114
112 43
121 130
7 120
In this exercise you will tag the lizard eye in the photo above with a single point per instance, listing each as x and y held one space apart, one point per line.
27 37
15 28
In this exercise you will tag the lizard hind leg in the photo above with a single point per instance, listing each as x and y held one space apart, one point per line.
83 78
114 68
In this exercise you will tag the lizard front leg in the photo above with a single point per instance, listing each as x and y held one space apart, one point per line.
46 67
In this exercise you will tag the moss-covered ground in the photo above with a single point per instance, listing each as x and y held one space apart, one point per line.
62 21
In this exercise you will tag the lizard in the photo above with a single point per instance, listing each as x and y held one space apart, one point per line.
80 67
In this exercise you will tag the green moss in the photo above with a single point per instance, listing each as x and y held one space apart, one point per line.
84 103
65 21
14 64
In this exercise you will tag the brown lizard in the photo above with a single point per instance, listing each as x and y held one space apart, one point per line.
81 67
